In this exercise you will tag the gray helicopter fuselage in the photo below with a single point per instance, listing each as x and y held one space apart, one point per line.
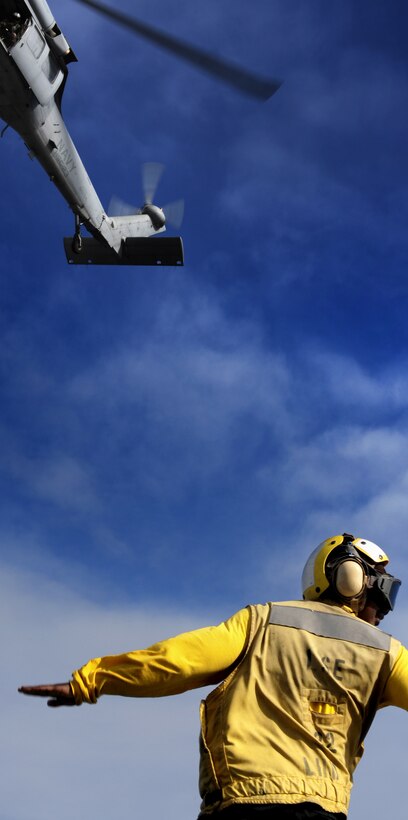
33 72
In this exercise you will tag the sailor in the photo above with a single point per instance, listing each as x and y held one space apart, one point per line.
298 685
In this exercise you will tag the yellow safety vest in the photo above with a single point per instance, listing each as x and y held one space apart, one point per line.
287 725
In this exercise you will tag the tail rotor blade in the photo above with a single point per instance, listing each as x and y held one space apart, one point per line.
241 79
174 213
118 207
151 175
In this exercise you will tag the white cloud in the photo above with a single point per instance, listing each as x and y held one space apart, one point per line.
189 389
202 391
345 462
349 383
59 479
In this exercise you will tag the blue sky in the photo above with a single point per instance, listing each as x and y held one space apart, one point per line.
175 442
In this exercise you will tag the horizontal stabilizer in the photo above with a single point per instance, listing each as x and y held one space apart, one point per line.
166 250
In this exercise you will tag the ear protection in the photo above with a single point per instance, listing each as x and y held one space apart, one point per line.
349 578
347 573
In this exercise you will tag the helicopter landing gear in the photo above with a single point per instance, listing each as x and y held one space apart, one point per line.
77 238
77 243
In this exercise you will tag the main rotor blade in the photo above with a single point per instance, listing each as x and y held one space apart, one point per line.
239 78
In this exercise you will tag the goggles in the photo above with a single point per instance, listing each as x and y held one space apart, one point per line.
383 589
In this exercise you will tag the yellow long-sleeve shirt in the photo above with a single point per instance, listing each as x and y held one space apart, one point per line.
202 657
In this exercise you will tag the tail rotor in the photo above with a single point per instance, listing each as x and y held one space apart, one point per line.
171 214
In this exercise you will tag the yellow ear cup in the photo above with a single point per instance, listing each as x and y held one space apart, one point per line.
350 579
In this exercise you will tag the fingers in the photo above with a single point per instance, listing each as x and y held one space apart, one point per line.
38 691
55 702
59 694
45 690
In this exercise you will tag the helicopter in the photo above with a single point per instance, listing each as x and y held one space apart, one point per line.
34 59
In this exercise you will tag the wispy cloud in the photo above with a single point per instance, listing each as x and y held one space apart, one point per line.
203 393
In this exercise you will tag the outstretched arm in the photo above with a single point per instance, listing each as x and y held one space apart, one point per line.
199 658
59 694
203 657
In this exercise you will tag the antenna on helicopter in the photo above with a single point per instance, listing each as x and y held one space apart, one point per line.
245 81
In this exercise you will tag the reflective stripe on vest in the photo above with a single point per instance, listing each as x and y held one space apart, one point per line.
327 625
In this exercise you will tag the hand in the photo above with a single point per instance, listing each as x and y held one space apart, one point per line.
60 694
